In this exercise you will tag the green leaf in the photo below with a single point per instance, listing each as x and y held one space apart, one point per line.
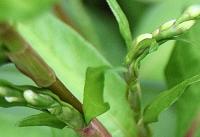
122 21
185 62
166 99
93 101
20 9
70 55
43 119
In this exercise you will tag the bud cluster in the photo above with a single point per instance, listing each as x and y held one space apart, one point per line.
41 99
144 43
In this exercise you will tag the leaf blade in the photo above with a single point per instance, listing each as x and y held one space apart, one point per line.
166 99
42 119
122 22
93 101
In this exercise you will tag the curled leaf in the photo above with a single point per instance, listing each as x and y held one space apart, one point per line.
93 101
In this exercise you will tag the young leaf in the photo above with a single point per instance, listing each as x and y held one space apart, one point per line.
20 9
93 102
166 99
122 21
42 119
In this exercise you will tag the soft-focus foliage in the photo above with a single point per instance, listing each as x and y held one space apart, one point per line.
13 10
92 38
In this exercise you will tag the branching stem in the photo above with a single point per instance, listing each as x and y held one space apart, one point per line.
31 64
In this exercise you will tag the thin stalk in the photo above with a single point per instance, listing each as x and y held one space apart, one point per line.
134 99
62 15
133 91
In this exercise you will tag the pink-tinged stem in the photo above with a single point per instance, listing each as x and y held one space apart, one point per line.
94 129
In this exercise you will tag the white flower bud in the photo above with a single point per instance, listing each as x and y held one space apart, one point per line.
13 99
193 11
31 97
167 25
39 100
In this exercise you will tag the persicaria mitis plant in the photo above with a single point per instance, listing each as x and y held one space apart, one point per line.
74 86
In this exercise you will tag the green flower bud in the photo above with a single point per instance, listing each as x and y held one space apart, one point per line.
38 100
167 25
71 117
175 30
156 33
55 110
185 26
9 92
3 91
143 37
137 46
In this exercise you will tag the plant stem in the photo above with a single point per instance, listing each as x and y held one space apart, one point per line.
32 65
133 92
63 15
94 129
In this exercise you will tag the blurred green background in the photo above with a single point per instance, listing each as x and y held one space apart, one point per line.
95 22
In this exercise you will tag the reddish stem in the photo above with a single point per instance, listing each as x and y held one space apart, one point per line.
94 129
62 15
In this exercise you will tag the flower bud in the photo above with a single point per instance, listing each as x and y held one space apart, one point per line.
38 100
3 91
183 27
137 46
143 37
156 33
9 92
13 99
167 25
191 13
175 30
